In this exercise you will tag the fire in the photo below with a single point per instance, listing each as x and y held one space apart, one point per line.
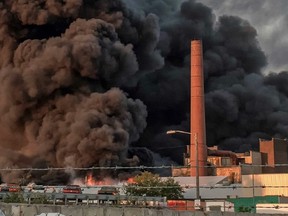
130 180
90 181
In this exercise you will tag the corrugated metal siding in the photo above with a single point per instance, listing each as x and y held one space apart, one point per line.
266 184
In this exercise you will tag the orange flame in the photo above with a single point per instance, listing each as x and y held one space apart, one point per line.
130 180
90 181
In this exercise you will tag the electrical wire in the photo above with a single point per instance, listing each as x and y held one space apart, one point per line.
132 167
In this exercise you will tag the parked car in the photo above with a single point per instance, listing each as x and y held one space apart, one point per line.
38 189
34 188
108 190
10 187
4 188
72 189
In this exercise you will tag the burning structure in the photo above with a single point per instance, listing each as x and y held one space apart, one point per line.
83 81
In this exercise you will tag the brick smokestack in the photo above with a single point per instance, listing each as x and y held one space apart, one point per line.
197 112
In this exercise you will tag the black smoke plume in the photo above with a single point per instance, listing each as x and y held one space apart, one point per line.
87 82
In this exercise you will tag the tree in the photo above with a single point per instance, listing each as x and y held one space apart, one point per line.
14 198
149 184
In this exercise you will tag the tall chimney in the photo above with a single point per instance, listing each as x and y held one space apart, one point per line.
198 149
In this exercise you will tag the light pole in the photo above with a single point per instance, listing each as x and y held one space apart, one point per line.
253 186
196 157
197 167
177 131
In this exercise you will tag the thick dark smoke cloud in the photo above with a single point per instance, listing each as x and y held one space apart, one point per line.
269 18
60 96
87 82
242 105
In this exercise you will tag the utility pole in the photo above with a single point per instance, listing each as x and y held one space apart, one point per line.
253 187
197 167
193 168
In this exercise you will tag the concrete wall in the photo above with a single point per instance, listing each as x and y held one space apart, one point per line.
275 152
176 172
34 210
233 173
254 158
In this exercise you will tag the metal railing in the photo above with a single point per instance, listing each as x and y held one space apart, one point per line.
61 198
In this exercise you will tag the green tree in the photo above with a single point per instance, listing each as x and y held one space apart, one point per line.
171 189
149 184
39 198
14 198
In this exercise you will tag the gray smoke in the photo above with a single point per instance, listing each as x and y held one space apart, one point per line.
269 17
79 78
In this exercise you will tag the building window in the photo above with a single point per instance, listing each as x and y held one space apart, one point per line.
226 161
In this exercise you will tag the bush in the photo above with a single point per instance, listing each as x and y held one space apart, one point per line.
148 184
39 199
245 209
14 198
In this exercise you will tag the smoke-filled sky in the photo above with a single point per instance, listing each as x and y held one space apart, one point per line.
270 20
87 82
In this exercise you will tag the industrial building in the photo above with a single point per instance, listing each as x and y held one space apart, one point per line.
234 180
199 160
271 158
211 174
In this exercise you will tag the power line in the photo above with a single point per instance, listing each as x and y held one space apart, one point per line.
132 167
